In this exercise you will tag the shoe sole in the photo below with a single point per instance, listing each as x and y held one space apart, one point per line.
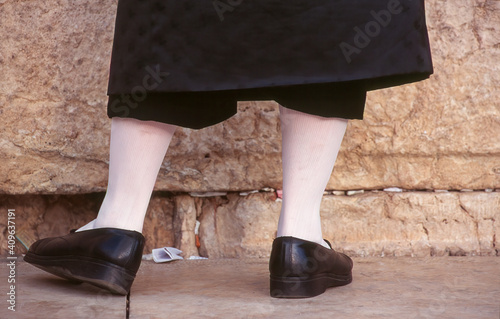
297 287
96 272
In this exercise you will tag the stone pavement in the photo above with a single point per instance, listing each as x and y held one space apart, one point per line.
403 287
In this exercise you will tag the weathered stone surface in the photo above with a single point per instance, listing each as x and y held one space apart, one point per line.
159 224
243 153
410 288
369 224
441 133
236 226
54 61
43 295
41 216
233 226
413 223
184 223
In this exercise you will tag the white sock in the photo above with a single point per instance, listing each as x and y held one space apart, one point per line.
310 145
137 150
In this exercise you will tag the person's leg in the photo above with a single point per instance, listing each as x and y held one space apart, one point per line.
302 264
107 252
137 150
310 145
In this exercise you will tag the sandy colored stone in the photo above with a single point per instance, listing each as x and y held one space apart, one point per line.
43 295
412 223
54 61
242 153
41 216
369 224
159 223
236 226
441 133
484 210
413 288
184 223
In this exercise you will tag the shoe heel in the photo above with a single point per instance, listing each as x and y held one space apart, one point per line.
113 278
296 287
107 276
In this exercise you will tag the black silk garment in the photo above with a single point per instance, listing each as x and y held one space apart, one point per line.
187 62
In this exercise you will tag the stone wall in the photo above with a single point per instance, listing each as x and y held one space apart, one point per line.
233 225
439 134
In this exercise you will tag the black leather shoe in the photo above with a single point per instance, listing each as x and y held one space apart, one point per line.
301 268
105 257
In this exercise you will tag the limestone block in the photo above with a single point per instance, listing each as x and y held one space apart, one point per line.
359 225
237 226
368 224
54 61
184 223
233 226
484 210
413 223
42 216
441 133
242 153
159 224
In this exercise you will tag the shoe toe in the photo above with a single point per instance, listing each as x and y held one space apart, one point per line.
52 246
344 264
34 247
